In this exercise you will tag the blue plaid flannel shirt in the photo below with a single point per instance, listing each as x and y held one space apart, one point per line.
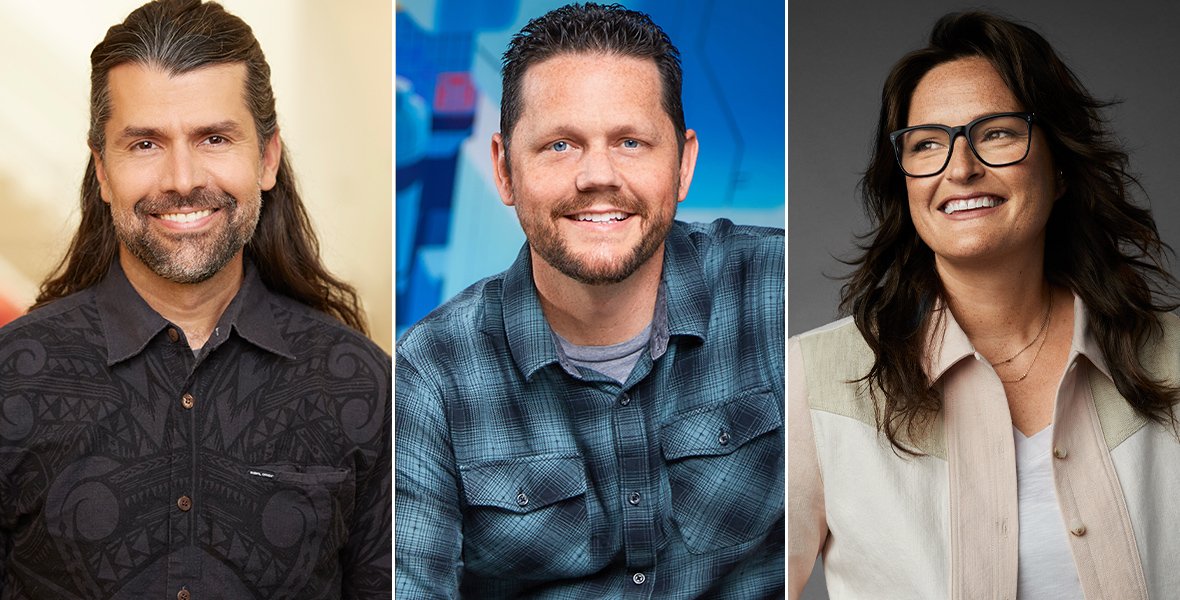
519 474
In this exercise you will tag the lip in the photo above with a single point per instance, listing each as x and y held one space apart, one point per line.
600 210
195 224
970 213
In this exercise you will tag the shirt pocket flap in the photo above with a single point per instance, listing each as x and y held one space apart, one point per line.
524 484
721 430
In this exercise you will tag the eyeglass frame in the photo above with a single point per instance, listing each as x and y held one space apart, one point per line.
955 132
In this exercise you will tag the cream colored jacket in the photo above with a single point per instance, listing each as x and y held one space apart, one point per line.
945 525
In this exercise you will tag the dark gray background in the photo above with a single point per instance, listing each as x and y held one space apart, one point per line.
838 56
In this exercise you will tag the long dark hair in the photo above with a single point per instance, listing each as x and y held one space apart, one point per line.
180 36
1097 242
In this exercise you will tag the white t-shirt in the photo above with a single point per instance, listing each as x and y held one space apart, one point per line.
1047 570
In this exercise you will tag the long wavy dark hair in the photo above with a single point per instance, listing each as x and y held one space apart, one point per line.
1098 243
180 36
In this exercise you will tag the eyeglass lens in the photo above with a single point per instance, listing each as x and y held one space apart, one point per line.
998 141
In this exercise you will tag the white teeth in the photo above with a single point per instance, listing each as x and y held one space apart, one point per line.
957 205
601 217
186 217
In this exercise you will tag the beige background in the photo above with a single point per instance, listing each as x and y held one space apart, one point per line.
332 75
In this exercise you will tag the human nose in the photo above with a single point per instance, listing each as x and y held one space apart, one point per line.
182 171
598 171
963 165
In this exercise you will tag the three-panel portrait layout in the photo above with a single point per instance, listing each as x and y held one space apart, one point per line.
663 300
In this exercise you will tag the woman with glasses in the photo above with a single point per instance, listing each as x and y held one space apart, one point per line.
996 418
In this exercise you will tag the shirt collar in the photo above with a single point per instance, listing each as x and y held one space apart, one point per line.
947 344
684 310
129 322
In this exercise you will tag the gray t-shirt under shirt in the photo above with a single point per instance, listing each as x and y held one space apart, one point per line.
615 361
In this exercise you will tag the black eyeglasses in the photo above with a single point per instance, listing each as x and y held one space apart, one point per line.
996 140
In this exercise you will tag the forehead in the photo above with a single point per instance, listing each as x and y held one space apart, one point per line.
148 96
957 92
590 87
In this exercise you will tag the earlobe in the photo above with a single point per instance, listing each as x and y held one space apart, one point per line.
688 163
100 173
272 154
501 171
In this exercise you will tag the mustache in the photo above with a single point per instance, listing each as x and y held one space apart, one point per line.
197 198
581 201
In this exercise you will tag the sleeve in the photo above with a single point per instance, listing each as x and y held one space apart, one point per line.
367 557
807 521
428 521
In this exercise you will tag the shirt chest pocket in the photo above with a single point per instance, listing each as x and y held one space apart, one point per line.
528 516
725 467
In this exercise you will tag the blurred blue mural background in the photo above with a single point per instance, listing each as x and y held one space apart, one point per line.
452 229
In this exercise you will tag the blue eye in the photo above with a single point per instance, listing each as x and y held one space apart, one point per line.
560 146
630 144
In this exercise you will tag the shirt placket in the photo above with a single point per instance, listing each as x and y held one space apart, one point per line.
636 485
183 552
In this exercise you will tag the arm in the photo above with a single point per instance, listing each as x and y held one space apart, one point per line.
367 558
805 493
429 524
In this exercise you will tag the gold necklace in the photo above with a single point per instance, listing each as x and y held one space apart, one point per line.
1039 331
1039 346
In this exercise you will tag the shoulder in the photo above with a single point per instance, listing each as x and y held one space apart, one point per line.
314 336
60 322
455 323
724 237
832 360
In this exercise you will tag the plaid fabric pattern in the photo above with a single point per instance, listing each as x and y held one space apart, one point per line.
519 474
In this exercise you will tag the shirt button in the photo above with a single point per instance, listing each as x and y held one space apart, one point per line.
184 503
173 335
634 498
186 400
624 400
522 499
639 578
1077 528
723 439
182 595
1059 452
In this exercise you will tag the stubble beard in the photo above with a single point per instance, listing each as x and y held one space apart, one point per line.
184 257
544 239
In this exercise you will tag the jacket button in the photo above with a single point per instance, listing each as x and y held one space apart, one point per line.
639 578
182 595
183 503
1059 452
186 400
522 499
173 335
1077 528
723 439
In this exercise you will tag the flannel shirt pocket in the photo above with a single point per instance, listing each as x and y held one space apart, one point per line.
527 516
725 467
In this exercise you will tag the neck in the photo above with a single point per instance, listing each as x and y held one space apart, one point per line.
598 315
1001 308
194 307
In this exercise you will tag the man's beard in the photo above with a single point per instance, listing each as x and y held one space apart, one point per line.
187 257
543 237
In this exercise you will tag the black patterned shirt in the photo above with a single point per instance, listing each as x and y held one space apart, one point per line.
520 474
130 468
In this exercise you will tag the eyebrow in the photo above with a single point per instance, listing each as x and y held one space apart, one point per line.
226 127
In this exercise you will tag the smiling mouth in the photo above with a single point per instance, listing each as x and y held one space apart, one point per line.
187 217
606 217
955 206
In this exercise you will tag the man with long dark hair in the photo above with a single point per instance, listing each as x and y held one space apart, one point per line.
605 418
192 408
